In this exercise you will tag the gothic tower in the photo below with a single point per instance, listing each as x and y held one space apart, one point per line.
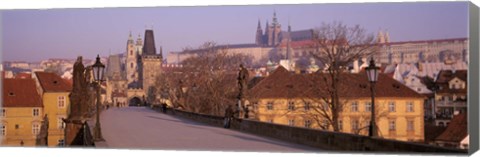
259 35
151 64
131 60
276 28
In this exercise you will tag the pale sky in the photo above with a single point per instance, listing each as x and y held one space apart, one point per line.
34 35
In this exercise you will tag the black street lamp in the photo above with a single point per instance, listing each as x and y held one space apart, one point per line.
98 71
372 74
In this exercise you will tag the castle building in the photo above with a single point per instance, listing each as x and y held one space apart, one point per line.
274 44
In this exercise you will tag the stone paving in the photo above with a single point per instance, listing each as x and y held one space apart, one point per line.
142 128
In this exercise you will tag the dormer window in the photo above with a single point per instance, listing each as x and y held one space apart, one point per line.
11 94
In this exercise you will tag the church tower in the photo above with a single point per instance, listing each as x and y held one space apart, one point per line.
131 60
272 32
259 35
276 30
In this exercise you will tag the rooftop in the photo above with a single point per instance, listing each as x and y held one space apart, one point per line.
20 93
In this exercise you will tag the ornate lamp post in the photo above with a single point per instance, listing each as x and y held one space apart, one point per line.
98 70
372 73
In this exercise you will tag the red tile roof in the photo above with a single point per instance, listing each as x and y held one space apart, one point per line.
51 82
23 75
284 84
456 130
20 93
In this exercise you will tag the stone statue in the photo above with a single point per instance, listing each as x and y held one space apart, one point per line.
242 81
79 92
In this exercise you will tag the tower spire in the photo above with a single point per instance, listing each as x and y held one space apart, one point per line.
275 22
258 26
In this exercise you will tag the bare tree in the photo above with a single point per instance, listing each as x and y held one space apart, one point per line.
336 46
206 83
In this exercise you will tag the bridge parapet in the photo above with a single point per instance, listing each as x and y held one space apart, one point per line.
317 138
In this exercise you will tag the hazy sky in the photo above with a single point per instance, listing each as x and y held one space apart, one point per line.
34 35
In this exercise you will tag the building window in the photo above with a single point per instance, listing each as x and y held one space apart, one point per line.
61 142
3 130
3 113
354 126
354 107
307 106
409 106
291 105
368 106
307 123
61 101
391 125
291 122
270 105
36 112
391 106
60 123
131 52
410 125
131 65
35 129
270 120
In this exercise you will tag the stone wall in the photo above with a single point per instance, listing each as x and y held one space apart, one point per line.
317 138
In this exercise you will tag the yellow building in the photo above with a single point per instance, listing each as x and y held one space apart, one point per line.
299 100
54 91
21 113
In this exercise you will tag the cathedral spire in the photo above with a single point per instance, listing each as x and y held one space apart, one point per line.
275 22
258 26
259 34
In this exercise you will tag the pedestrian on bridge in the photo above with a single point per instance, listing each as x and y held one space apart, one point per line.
228 116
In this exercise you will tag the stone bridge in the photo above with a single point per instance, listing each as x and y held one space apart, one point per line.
144 128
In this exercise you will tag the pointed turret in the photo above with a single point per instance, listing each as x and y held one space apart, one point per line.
274 22
130 39
259 34
149 43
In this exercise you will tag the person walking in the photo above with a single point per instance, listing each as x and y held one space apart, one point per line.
228 116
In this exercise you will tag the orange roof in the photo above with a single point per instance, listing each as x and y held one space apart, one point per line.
20 93
51 82
23 75
284 84
456 130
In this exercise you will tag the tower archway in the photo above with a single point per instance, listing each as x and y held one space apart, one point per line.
135 101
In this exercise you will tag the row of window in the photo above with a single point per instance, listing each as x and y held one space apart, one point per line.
35 127
353 107
36 111
355 124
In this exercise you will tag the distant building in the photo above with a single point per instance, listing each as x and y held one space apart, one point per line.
56 101
21 113
274 44
142 67
451 95
296 99
116 82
